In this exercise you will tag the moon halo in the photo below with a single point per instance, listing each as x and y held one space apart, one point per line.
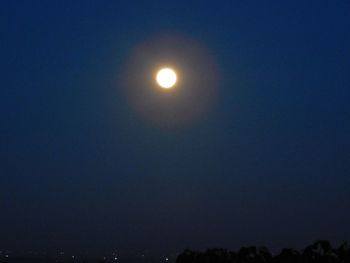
170 81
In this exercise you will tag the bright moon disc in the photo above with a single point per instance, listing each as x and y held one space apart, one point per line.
166 78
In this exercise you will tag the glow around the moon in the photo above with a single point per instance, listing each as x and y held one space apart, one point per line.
170 81
166 78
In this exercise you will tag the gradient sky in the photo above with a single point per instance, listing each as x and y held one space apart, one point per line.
269 164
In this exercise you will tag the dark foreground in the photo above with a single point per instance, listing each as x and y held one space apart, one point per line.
320 252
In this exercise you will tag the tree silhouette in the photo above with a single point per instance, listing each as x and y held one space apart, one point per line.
319 252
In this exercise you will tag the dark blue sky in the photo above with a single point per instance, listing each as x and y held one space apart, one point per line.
269 163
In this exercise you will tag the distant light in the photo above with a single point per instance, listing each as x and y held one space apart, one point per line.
115 258
6 256
166 259
73 257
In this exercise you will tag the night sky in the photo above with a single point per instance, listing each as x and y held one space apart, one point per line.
267 162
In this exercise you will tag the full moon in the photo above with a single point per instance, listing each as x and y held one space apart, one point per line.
166 78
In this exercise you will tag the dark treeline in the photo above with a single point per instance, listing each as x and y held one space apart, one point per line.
320 252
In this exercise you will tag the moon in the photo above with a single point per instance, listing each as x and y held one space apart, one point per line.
166 78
